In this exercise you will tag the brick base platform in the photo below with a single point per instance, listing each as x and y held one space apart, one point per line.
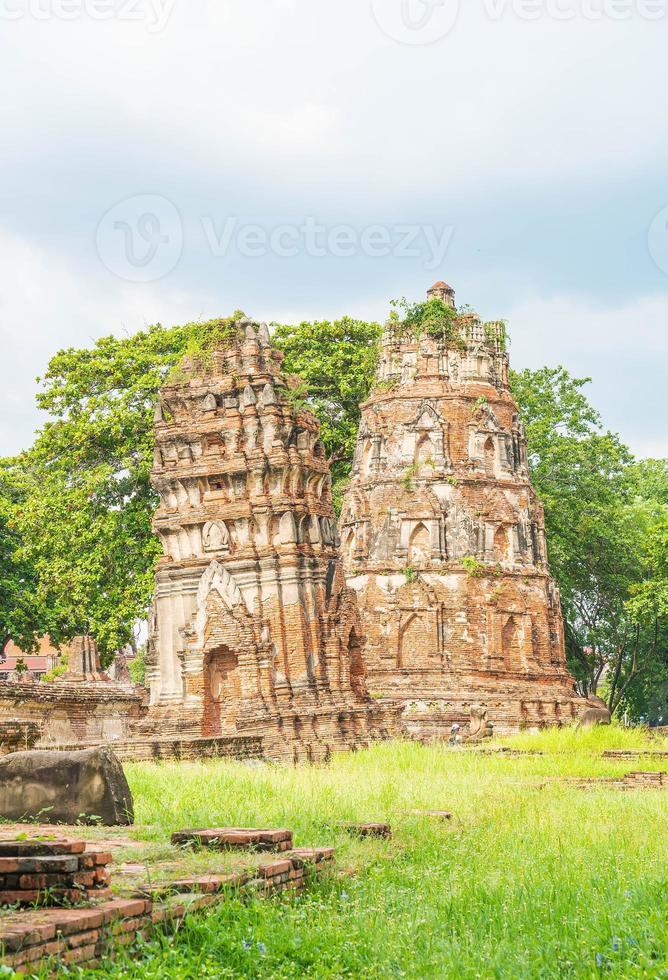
181 749
646 780
29 939
630 781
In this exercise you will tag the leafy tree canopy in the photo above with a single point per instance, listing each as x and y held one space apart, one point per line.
21 618
603 515
336 362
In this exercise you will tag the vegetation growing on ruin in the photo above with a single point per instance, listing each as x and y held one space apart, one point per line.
496 334
387 384
473 567
480 401
408 476
432 317
201 341
61 668
533 877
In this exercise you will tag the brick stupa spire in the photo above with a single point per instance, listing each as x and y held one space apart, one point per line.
444 540
253 631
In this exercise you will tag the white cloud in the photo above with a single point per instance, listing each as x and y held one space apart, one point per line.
47 304
622 348
250 87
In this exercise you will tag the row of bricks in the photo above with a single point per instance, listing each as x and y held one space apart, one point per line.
235 838
36 847
291 867
86 878
59 896
44 925
90 945
63 864
86 946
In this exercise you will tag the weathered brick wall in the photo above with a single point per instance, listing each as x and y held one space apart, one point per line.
173 749
443 538
67 713
253 630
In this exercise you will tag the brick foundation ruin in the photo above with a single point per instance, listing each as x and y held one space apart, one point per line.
94 923
253 630
443 538
81 707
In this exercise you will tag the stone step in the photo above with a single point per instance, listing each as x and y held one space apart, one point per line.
235 838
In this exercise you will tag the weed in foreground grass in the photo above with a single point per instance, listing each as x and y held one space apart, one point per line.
532 877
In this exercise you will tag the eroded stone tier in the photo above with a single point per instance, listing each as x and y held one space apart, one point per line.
253 629
443 538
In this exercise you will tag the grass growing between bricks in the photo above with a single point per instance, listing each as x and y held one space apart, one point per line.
530 878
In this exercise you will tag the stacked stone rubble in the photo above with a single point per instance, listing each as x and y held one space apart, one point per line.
253 630
443 538
34 872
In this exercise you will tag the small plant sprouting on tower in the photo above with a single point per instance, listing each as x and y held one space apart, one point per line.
408 476
432 317
473 567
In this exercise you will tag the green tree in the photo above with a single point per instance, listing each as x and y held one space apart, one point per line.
21 618
87 501
336 362
648 603
599 517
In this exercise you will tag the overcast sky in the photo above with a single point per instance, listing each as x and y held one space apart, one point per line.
166 160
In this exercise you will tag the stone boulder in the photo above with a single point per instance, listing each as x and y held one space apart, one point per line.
86 786
596 713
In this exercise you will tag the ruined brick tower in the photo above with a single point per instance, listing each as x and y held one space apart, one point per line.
443 538
253 630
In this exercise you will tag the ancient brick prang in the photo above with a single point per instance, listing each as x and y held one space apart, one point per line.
443 538
253 630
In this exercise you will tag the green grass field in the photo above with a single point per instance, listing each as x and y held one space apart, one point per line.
533 877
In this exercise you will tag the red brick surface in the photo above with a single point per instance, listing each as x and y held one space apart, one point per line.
53 872
229 838
86 935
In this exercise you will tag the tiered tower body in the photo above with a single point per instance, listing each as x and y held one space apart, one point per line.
253 630
443 538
